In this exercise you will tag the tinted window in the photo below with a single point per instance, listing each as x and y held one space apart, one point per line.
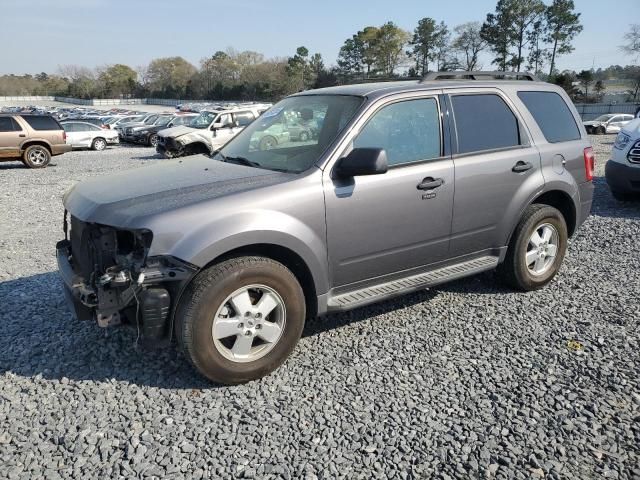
484 122
69 127
41 122
552 116
244 118
409 131
8 124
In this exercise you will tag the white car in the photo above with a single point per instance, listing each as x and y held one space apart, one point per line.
623 169
87 135
610 123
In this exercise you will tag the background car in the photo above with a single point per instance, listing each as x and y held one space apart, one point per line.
623 170
148 134
609 123
87 135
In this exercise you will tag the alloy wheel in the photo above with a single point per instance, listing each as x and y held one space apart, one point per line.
249 323
542 249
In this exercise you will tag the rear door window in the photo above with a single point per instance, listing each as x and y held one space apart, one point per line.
41 122
244 118
484 122
552 115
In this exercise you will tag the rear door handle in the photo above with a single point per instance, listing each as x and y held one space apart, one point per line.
522 167
430 183
22 135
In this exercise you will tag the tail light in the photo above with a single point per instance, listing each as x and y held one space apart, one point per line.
589 163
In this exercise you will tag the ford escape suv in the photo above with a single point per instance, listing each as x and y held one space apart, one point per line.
32 138
405 185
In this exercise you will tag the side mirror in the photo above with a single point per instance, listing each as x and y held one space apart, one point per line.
217 125
362 161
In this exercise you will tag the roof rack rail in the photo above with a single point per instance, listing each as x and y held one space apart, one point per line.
460 75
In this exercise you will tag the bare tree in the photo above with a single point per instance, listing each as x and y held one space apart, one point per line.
632 39
469 43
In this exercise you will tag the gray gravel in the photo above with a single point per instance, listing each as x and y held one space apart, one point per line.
463 381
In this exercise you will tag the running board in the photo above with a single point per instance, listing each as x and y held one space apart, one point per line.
376 293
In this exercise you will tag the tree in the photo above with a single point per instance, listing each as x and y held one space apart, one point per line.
498 31
585 77
116 80
599 88
563 24
537 53
299 69
525 14
469 43
566 81
170 76
443 49
632 38
388 48
82 81
423 44
358 54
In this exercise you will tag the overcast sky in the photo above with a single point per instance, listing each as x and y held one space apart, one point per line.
40 35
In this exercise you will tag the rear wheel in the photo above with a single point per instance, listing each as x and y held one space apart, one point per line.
36 156
153 140
98 144
536 250
601 131
239 320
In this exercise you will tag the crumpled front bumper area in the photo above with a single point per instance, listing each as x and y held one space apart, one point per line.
107 279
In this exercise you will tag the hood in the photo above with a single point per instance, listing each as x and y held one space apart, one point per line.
124 199
632 128
592 123
178 131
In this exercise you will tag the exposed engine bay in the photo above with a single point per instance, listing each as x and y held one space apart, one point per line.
110 278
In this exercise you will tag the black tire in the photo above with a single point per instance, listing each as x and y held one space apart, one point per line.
36 156
267 142
304 136
152 141
623 197
601 131
207 293
98 144
514 271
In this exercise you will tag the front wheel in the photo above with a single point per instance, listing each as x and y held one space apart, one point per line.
536 250
153 141
240 319
268 142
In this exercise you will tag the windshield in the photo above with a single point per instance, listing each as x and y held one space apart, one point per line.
603 118
151 120
293 134
203 120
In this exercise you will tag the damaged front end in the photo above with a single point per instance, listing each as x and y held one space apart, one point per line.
109 277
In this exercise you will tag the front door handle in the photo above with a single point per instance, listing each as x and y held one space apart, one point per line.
522 167
22 135
430 183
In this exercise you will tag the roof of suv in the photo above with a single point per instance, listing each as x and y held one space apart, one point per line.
378 89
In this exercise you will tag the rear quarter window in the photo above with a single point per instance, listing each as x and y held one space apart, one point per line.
41 122
552 115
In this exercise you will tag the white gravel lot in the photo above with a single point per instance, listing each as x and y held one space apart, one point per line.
467 380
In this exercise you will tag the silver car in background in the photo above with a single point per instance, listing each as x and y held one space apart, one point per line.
609 123
87 135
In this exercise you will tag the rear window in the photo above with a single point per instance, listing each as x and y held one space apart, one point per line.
484 122
41 122
8 124
552 116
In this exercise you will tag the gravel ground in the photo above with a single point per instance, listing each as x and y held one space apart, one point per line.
463 381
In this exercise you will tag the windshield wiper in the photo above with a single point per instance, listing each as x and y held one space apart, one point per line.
240 161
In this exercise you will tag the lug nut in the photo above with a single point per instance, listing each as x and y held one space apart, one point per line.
247 333
258 315
241 325
258 326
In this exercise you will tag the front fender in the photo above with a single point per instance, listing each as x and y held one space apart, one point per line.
212 240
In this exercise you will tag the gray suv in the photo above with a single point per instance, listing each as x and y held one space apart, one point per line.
406 185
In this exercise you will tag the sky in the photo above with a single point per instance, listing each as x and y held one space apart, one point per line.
41 35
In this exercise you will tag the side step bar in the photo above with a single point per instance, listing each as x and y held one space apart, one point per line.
376 293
